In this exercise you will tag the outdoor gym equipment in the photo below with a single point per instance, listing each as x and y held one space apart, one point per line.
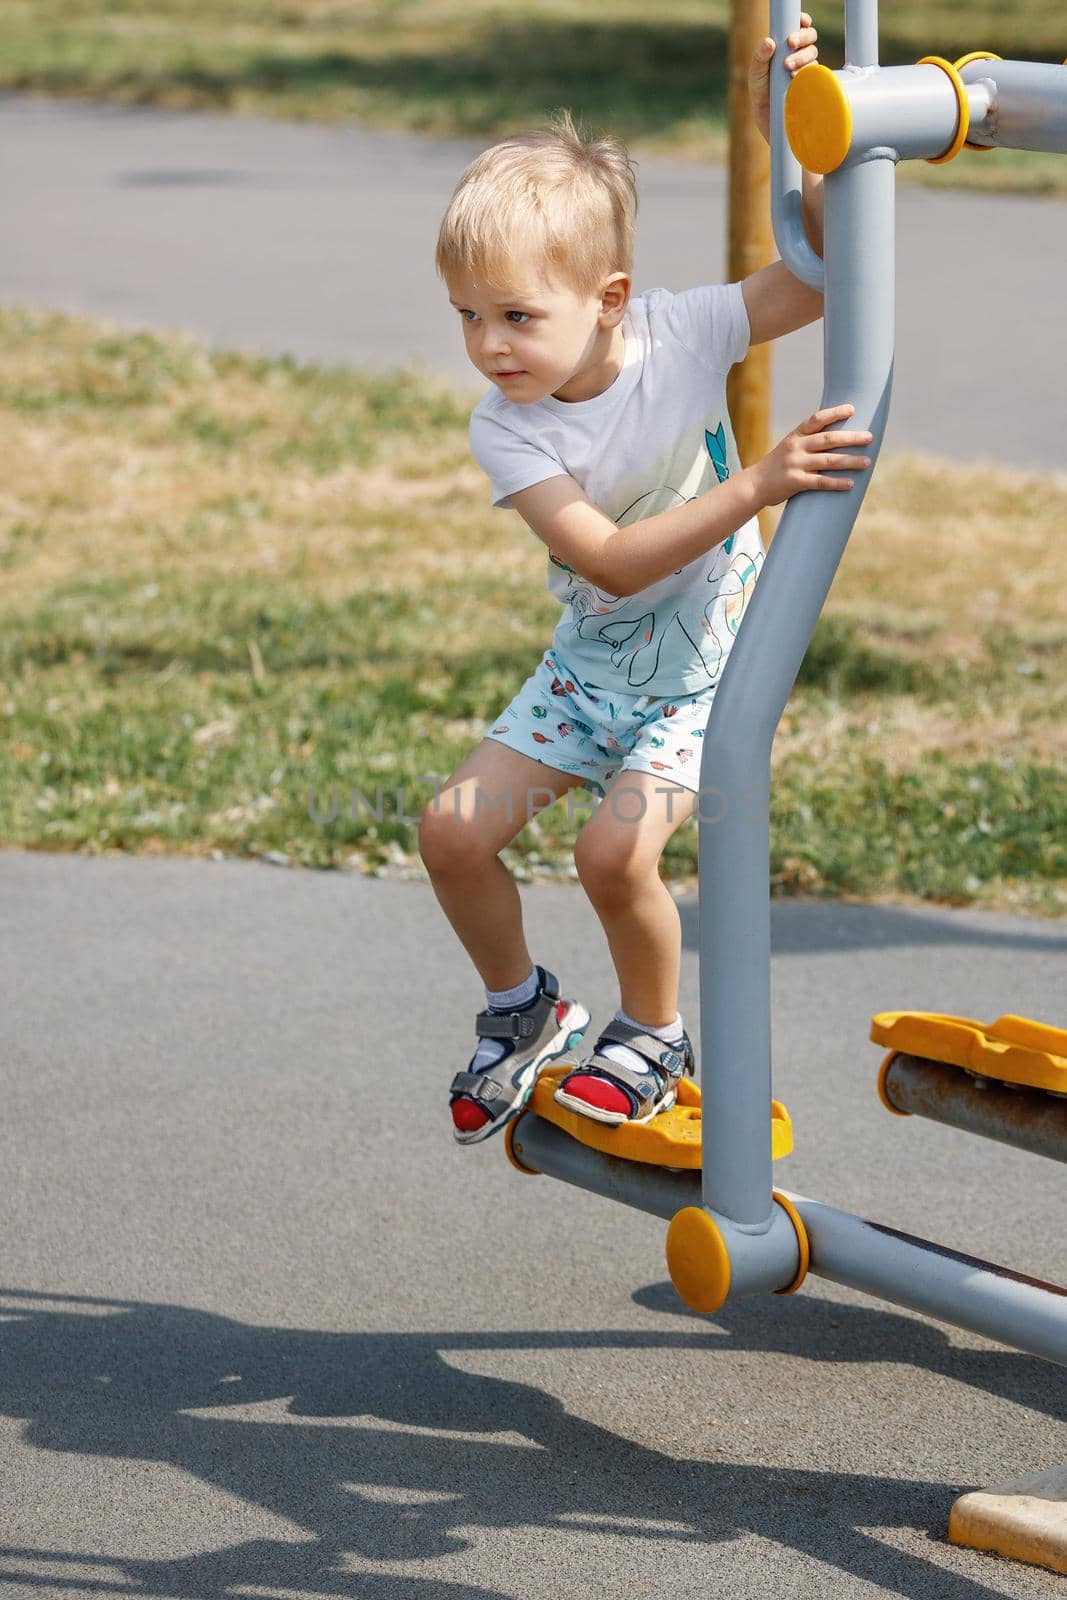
731 1233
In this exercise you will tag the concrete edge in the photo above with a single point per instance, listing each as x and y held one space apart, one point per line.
1025 1520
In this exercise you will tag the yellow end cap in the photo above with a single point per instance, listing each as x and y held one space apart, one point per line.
698 1260
883 1093
818 118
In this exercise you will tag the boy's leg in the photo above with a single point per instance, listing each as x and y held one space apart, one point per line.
489 799
485 803
617 854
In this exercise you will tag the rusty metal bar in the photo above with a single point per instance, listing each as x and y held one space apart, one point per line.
1029 1119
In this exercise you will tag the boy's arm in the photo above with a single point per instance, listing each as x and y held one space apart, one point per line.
811 210
778 303
623 560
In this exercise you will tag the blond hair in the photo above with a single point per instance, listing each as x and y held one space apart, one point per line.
553 198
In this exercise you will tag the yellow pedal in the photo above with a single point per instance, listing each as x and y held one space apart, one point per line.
1011 1050
671 1139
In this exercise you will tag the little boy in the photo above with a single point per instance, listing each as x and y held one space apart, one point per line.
607 430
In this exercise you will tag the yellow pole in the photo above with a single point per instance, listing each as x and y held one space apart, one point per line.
748 391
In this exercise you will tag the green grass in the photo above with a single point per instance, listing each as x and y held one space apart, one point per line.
941 829
256 607
655 74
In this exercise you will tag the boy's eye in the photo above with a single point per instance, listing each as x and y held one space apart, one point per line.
524 316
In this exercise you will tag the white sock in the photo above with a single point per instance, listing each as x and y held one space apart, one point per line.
490 1050
671 1033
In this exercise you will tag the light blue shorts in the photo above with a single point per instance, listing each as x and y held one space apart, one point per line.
580 727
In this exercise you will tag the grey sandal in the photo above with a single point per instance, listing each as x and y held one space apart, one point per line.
546 1029
649 1092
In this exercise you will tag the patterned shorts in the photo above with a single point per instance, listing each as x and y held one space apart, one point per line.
582 728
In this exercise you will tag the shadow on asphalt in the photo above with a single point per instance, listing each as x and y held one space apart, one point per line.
826 1330
808 927
372 1454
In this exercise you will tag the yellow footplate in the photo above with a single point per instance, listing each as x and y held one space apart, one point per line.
671 1139
1011 1050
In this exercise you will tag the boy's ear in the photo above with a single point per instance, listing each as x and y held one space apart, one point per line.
613 298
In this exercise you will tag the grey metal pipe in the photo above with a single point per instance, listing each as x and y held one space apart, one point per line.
1022 1312
544 1148
912 111
733 840
1026 1118
1029 110
861 33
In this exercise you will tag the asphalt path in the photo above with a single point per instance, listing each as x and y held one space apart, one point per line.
266 1331
318 241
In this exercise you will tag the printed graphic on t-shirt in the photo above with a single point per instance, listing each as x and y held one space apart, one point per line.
691 622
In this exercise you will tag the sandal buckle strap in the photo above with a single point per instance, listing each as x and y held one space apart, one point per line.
520 1024
663 1057
510 1024
642 1083
479 1085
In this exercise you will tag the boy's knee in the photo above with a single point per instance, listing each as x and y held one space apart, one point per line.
446 836
437 832
606 860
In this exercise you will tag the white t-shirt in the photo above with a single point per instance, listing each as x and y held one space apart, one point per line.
657 437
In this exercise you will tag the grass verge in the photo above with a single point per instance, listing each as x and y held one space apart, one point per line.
254 607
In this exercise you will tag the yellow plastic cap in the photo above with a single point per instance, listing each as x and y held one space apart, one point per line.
818 118
698 1260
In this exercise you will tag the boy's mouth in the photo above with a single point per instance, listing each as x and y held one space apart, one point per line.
517 373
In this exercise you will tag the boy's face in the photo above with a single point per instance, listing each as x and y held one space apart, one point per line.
540 338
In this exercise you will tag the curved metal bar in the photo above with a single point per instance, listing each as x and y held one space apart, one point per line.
786 193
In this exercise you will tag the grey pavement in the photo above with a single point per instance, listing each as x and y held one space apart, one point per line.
266 1331
318 241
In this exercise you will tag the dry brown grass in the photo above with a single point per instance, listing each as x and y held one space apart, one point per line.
950 552
943 555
